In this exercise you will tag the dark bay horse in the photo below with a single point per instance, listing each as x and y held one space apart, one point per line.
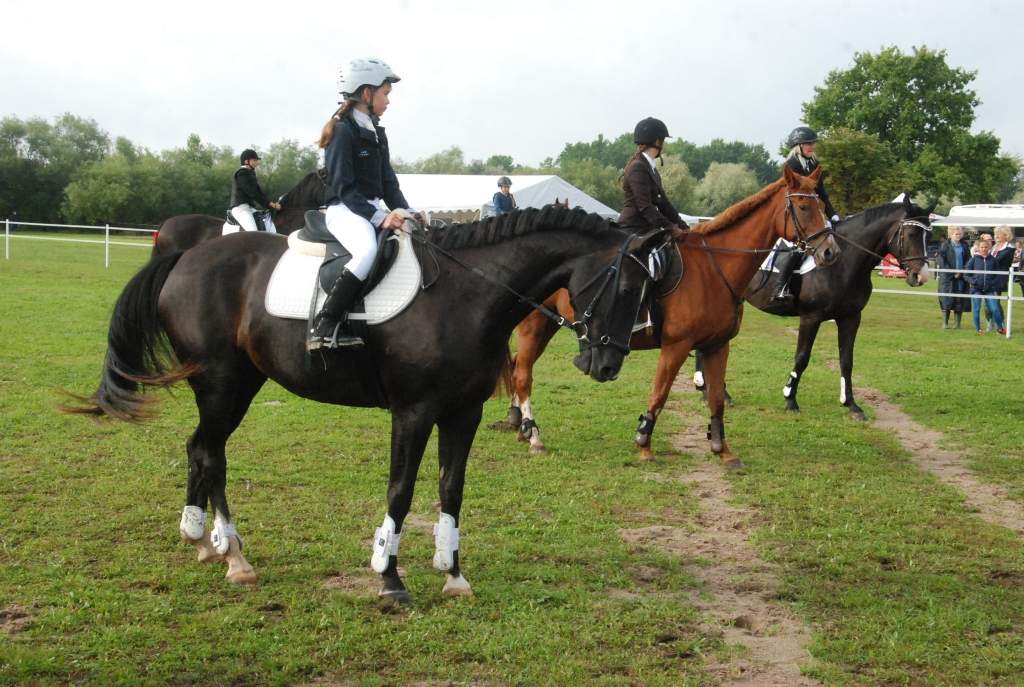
705 309
182 232
841 292
434 364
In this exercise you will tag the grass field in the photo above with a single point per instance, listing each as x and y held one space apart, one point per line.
900 583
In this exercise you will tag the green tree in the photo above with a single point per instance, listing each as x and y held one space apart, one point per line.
724 184
606 153
449 161
862 171
284 165
680 186
922 109
596 180
699 158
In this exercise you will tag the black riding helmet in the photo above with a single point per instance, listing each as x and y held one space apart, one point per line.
248 154
649 131
801 134
504 181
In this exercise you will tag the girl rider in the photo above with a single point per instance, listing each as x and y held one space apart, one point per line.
645 203
802 160
362 189
246 192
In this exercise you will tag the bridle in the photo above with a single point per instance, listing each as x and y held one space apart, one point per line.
803 239
612 274
898 233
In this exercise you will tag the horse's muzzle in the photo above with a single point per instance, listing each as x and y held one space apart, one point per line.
601 363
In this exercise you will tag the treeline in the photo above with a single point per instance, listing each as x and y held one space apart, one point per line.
71 171
889 123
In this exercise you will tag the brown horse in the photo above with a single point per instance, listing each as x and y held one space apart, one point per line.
704 311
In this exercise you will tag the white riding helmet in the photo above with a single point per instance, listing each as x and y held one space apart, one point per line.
364 72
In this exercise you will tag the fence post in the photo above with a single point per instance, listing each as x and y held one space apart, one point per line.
1009 303
106 246
7 239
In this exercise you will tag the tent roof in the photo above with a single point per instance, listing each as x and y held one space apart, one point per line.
453 192
983 216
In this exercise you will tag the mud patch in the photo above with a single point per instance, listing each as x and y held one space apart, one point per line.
14 619
991 501
739 590
363 583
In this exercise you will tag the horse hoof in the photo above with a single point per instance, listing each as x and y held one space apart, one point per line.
456 586
793 409
646 453
538 449
858 415
393 598
241 577
735 465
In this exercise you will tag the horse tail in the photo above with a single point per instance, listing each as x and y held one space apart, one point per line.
138 353
504 386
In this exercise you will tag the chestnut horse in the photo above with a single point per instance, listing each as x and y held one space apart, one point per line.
433 364
705 309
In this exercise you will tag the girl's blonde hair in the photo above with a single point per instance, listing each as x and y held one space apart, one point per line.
795 152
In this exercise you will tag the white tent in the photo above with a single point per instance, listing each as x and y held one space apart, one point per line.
983 216
461 192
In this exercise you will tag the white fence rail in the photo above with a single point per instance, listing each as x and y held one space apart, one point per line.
106 242
1010 299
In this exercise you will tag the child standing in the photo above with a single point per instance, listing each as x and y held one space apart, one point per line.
984 286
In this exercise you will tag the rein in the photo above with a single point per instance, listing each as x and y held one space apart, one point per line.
579 327
899 262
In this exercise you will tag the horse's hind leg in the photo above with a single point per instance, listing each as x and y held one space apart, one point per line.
698 379
848 327
669 362
714 377
222 401
455 436
804 344
533 335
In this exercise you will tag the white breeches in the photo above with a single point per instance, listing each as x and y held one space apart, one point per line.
357 235
243 215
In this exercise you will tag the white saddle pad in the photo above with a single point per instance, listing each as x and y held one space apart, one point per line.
294 282
769 263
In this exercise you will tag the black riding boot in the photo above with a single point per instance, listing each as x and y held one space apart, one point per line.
786 263
328 322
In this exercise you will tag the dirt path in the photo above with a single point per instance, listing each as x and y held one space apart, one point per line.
739 589
991 501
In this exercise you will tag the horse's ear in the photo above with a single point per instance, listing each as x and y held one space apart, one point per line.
906 200
818 173
789 175
931 208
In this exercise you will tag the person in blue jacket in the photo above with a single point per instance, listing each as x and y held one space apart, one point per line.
503 201
363 194
984 286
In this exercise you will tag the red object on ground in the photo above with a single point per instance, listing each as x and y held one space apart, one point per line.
891 267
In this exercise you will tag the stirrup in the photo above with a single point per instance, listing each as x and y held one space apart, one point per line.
333 340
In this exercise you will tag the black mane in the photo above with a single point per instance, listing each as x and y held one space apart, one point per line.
492 230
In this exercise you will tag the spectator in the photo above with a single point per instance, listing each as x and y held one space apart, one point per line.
504 202
953 255
1002 251
984 285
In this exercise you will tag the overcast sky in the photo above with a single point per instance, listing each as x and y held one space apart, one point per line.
511 77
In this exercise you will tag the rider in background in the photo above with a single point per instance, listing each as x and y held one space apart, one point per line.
246 192
802 160
646 204
362 189
503 201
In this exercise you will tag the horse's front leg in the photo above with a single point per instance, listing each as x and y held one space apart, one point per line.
532 336
410 429
804 344
671 358
455 437
848 327
715 362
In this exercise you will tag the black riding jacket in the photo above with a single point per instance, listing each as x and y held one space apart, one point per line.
795 165
359 168
645 202
246 190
